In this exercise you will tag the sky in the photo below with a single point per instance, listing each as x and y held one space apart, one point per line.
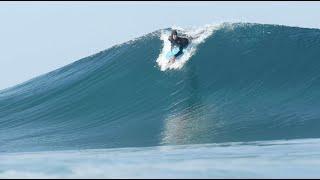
38 37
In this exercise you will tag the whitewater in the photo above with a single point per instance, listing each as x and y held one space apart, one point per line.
195 35
242 102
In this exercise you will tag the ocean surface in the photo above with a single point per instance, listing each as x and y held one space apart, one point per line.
266 159
244 101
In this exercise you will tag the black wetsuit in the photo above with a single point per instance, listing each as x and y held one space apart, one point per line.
180 42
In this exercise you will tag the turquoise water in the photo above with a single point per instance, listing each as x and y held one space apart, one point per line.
243 83
267 159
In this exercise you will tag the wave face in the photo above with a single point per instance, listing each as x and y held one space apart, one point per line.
244 82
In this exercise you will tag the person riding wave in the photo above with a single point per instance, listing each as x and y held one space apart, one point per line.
177 41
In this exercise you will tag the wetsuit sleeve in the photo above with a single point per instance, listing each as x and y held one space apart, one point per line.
171 41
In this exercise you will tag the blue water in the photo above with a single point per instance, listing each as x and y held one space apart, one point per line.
244 83
268 159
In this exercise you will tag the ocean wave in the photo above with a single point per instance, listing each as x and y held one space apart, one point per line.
239 82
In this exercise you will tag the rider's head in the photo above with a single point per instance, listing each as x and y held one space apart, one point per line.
174 34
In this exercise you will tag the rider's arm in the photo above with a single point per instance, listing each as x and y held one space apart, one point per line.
171 41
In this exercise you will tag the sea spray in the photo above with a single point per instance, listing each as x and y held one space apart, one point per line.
196 37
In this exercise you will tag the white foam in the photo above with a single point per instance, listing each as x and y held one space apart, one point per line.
198 36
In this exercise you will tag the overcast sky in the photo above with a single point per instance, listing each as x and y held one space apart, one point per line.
38 37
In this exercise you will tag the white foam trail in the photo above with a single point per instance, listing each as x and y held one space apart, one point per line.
198 36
